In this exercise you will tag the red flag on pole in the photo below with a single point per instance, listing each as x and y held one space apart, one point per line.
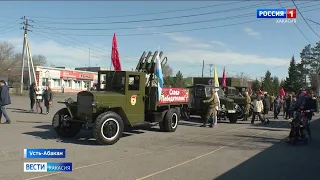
224 78
115 54
282 92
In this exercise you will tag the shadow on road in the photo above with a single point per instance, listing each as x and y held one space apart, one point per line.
281 161
85 137
36 122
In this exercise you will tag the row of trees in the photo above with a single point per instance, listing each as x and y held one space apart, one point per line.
11 61
303 74
306 72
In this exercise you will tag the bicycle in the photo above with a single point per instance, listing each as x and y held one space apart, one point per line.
38 106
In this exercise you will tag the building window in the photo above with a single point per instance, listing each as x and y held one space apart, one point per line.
56 82
77 84
67 83
44 81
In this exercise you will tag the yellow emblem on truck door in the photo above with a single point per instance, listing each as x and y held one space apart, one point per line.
133 100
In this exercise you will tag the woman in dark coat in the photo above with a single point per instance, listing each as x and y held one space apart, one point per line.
47 98
32 96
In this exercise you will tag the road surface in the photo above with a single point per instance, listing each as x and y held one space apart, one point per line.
225 152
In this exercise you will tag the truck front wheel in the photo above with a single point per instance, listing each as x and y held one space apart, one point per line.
63 127
233 118
108 128
170 121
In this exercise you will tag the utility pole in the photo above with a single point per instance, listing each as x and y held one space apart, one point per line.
241 82
210 65
89 60
23 50
202 67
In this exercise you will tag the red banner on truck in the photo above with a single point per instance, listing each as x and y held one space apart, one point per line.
174 95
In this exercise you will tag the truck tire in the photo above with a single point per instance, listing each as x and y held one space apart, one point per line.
65 129
108 128
233 118
170 121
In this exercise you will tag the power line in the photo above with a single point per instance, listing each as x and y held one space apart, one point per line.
160 19
313 21
297 25
168 32
164 25
304 19
144 14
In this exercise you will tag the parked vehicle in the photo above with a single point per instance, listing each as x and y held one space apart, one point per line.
127 98
200 92
237 96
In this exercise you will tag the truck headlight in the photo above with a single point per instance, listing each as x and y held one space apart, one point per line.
223 106
94 104
236 106
69 101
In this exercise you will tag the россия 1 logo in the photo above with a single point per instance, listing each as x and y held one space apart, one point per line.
281 15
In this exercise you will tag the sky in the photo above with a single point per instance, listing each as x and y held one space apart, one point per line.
222 33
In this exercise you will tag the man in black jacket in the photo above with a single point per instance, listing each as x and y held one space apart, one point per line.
266 107
311 106
4 100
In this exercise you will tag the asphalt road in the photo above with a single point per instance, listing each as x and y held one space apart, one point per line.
227 151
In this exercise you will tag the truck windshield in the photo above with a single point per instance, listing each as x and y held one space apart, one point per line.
113 81
220 93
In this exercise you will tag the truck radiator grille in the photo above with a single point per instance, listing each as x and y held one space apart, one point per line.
84 103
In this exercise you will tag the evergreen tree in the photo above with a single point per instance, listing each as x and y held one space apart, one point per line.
276 85
267 84
295 80
179 81
255 85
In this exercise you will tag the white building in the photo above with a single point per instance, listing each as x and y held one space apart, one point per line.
72 80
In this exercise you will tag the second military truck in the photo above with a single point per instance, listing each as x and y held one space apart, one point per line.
123 98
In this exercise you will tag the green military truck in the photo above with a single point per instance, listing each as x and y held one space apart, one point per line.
123 98
237 95
200 92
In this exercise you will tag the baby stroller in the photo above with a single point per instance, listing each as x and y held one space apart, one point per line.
297 128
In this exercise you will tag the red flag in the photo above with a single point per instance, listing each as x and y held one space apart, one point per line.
282 92
224 78
115 54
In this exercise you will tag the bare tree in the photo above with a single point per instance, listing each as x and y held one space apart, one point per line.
10 61
167 71
8 58
39 60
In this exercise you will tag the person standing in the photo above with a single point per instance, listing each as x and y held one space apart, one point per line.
247 106
217 107
4 101
288 105
271 101
276 106
310 106
62 88
32 96
266 108
211 111
47 98
257 109
293 106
